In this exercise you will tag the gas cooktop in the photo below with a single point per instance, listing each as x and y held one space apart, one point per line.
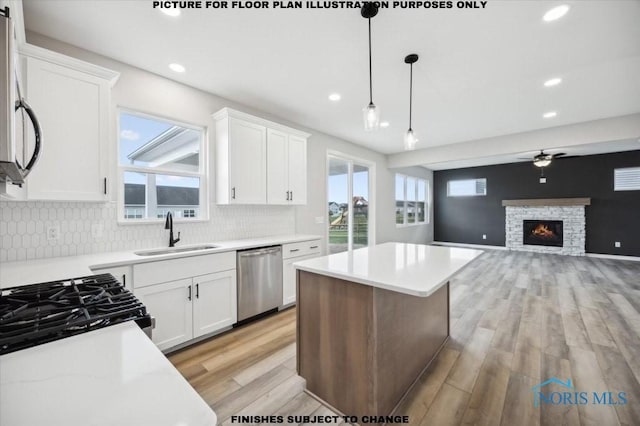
39 313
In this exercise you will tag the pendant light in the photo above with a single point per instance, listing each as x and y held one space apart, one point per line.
370 113
410 138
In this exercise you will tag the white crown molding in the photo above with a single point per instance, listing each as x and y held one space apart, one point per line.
37 52
229 112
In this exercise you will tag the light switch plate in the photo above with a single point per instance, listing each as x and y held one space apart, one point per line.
617 244
484 236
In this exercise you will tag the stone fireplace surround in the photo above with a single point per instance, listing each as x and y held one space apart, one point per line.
569 210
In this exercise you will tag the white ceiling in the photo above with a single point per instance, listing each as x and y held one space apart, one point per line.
480 72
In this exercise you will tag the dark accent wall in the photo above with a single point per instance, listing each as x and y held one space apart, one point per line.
612 216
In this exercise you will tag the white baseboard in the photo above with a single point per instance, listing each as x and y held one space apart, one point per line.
475 246
614 256
481 246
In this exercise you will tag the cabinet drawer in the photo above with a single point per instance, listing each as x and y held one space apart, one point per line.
185 267
303 248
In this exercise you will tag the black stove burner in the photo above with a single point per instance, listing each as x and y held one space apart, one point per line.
39 313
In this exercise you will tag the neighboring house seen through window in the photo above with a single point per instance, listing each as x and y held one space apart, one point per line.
161 169
412 200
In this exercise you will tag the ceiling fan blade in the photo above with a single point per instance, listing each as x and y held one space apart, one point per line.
560 154
523 158
564 157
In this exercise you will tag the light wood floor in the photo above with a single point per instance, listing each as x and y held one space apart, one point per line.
517 320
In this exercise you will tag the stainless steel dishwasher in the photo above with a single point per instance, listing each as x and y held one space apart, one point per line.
259 281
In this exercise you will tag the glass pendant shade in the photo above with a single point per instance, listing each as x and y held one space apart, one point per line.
410 140
371 115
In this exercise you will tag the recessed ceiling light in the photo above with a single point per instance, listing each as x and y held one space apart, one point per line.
549 114
552 82
556 13
335 97
384 124
170 11
177 68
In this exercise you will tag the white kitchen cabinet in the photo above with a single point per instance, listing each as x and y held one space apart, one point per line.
297 168
71 99
214 305
171 305
241 158
259 161
286 168
202 289
291 254
120 273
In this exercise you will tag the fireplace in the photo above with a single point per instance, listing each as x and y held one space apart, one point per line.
542 233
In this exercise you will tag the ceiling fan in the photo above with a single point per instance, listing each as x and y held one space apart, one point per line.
543 160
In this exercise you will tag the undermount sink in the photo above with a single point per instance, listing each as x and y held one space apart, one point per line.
171 250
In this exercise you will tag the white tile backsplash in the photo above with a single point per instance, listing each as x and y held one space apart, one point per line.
23 228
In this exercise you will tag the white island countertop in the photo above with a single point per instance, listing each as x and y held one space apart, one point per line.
111 376
414 269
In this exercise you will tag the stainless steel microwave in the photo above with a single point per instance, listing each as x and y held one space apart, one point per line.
15 113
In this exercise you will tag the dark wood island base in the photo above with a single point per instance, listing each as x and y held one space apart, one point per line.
361 348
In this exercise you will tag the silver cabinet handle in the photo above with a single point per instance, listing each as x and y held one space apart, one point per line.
293 250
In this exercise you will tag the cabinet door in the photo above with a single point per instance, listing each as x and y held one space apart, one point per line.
214 303
297 169
277 167
169 303
289 278
120 273
247 162
73 110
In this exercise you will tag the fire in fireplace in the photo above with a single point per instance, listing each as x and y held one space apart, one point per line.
542 232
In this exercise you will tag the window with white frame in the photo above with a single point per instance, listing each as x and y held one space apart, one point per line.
626 179
412 200
162 168
467 187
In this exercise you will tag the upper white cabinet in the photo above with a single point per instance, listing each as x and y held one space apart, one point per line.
71 99
259 161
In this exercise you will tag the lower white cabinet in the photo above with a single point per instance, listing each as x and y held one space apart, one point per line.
214 303
120 273
189 307
293 253
171 305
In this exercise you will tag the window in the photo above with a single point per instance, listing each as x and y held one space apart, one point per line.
626 179
466 188
161 168
412 205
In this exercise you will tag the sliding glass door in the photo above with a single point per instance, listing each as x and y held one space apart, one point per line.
349 204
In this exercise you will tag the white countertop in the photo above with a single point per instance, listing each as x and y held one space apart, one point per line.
58 268
414 269
111 376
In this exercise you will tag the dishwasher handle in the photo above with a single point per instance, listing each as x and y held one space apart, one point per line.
262 252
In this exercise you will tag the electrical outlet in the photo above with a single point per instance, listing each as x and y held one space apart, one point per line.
319 219
97 231
484 236
53 233
617 244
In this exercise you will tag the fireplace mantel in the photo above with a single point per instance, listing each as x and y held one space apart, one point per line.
548 202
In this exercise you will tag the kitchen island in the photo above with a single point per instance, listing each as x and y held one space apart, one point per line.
371 320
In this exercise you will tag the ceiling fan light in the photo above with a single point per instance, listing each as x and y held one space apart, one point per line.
410 140
371 115
542 162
